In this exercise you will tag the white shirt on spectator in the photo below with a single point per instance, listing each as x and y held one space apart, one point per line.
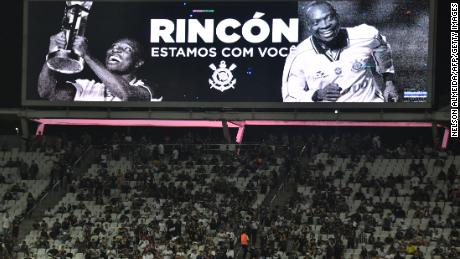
376 142
104 158
193 255
428 150
230 253
6 222
162 226
175 154
161 149
149 255
442 154
414 181
401 150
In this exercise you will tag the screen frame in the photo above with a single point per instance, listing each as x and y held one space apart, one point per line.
428 104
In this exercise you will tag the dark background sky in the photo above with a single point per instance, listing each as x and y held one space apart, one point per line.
12 54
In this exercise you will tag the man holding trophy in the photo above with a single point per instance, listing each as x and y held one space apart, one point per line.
68 51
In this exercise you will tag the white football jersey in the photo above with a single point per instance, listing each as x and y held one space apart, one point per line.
310 67
92 91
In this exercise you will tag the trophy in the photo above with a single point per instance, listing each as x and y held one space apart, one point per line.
65 60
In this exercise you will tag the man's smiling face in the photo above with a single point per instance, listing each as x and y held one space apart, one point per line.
323 22
122 57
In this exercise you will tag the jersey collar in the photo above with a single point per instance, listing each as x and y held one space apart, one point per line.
340 42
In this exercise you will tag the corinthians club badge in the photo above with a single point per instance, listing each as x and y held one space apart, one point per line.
222 78
357 66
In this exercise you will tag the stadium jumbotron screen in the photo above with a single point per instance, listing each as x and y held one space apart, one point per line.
251 54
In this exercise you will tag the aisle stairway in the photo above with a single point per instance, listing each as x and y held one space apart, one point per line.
55 194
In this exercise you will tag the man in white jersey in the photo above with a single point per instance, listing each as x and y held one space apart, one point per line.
118 80
336 64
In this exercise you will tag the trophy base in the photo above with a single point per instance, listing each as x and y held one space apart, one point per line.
65 61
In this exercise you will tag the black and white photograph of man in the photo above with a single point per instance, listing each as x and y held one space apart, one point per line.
117 80
341 64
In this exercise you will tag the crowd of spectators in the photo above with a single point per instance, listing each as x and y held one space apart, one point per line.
357 198
345 195
160 203
27 172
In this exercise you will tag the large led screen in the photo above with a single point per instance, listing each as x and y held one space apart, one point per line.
346 53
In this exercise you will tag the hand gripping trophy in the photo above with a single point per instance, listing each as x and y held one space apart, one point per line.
73 24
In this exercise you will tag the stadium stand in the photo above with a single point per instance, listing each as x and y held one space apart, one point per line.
296 197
